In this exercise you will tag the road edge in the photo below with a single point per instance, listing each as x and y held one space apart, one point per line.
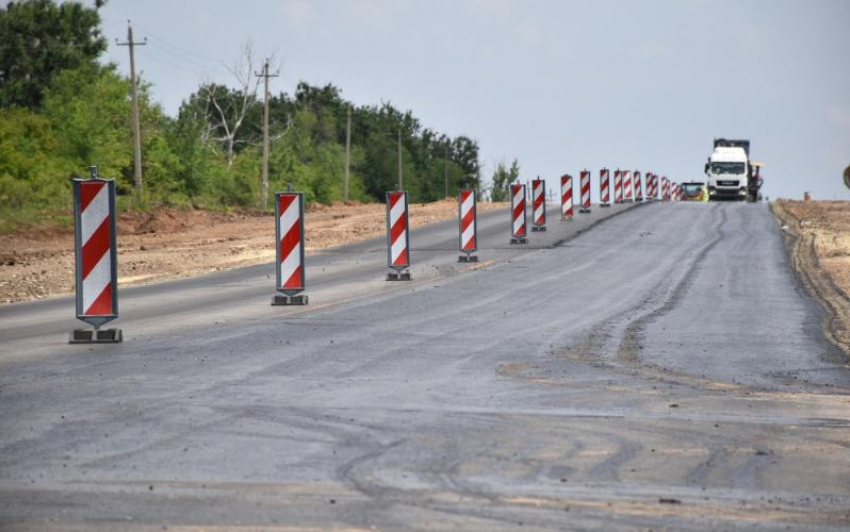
596 222
800 251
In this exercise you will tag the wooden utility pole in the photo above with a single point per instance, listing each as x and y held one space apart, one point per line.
347 153
400 181
264 198
446 169
137 135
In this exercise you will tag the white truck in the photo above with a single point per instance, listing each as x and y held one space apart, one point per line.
730 175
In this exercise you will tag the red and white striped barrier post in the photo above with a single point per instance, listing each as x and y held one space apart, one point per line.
518 227
677 192
618 186
604 188
398 237
566 197
96 258
652 186
665 189
467 213
538 195
585 191
290 270
638 187
627 186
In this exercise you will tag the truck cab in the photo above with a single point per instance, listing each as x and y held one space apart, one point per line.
727 172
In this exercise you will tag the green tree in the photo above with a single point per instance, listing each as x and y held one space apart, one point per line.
502 177
39 38
89 111
27 159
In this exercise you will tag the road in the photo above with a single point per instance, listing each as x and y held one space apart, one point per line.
659 368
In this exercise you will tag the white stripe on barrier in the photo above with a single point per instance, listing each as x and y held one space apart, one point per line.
467 204
97 280
468 234
290 217
399 245
290 264
94 214
396 212
518 223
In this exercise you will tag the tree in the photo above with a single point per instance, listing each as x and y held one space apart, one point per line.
39 38
227 108
502 177
465 154
90 114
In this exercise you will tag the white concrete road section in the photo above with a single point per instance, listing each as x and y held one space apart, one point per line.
663 369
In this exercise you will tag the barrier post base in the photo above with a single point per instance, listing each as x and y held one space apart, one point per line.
584 211
284 300
519 240
399 276
566 218
538 227
639 199
467 258
604 204
96 336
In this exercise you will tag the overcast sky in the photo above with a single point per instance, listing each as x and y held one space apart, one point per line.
560 85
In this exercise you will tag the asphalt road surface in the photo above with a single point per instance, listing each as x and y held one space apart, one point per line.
660 367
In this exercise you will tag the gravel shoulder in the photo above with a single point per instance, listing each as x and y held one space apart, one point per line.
169 244
818 243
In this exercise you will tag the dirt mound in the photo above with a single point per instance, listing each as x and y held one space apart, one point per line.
820 252
169 243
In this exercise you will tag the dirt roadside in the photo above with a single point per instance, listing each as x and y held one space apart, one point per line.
819 244
168 243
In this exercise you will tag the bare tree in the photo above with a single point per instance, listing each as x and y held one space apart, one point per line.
228 108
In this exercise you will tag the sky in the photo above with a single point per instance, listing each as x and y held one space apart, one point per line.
559 85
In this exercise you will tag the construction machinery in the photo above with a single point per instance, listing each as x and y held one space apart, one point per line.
730 174
694 191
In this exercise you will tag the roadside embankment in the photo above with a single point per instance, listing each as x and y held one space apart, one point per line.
818 240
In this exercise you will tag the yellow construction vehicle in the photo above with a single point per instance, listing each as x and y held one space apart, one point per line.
695 191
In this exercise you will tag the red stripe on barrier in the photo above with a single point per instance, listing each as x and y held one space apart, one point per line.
468 218
96 247
402 258
102 306
294 281
518 211
394 198
88 191
397 229
286 201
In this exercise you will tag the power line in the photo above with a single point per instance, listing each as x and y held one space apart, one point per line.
195 68
179 48
162 61
185 59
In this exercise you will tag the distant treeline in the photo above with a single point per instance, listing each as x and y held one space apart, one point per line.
61 111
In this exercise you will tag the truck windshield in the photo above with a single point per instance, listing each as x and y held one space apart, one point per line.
727 168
